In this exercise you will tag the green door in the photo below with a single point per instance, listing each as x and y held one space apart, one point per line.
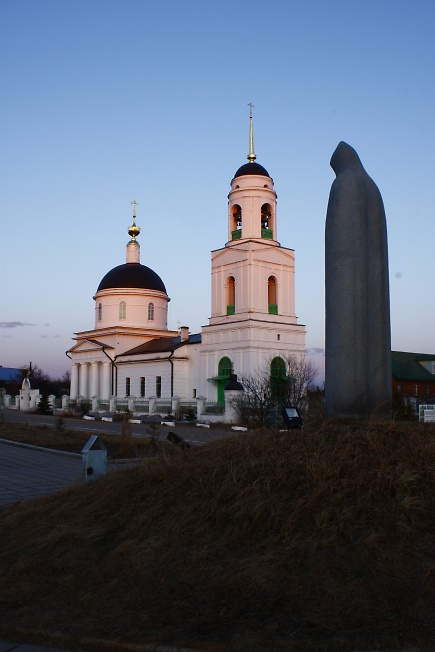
225 369
278 379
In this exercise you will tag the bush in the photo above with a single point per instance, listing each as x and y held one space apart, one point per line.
44 406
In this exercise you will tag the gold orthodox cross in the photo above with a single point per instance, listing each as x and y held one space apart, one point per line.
134 202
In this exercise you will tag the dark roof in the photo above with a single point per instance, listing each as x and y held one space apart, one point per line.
406 366
252 168
162 345
233 383
10 375
132 275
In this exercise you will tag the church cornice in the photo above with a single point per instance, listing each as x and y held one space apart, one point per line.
123 331
142 292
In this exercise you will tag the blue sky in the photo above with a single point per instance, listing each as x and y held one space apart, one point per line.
106 101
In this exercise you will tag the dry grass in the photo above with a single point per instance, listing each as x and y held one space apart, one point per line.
72 441
315 540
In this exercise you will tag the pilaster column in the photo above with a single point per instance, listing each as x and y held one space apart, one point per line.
106 388
74 386
84 386
95 367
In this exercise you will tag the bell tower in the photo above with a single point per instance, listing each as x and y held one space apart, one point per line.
252 200
253 300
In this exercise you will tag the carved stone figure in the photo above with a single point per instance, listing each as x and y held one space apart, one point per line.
357 304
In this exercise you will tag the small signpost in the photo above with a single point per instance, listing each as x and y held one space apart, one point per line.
292 417
94 461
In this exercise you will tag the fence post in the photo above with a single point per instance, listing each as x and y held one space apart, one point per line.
200 400
152 404
175 405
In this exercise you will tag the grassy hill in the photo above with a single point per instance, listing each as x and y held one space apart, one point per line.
312 540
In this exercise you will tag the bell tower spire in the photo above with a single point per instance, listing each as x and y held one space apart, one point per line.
251 155
133 247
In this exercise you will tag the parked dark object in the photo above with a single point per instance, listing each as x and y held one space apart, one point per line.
176 439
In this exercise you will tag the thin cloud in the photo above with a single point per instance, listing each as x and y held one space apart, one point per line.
14 324
315 350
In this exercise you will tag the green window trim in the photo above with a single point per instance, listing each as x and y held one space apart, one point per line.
231 310
236 235
266 233
272 308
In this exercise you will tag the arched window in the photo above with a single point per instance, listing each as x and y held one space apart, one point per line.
278 378
266 222
236 222
150 311
225 367
272 299
100 312
122 310
231 296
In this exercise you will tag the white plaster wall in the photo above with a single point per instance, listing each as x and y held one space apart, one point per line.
251 264
186 370
149 370
137 302
249 345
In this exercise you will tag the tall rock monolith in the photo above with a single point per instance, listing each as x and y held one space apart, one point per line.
358 377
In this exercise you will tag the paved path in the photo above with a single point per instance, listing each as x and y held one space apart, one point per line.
28 472
190 433
6 646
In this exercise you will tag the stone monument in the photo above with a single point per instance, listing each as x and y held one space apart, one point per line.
357 304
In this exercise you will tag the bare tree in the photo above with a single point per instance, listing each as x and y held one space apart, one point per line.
300 375
257 401
270 388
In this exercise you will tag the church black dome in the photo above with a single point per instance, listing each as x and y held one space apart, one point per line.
132 275
252 168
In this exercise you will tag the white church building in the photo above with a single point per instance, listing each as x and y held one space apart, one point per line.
131 353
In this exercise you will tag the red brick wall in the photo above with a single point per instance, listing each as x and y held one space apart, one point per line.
407 387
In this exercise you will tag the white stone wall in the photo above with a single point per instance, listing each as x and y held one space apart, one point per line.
251 264
136 313
185 366
149 371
